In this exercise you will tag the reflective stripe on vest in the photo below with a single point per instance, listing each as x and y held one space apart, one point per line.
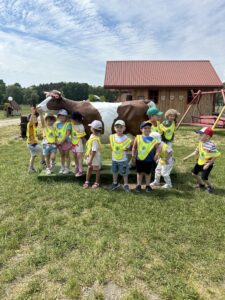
49 134
90 142
60 133
163 154
205 156
144 148
76 135
35 129
119 148
168 132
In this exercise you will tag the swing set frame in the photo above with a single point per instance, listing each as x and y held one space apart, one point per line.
195 101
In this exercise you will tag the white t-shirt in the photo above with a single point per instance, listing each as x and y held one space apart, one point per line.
80 146
97 158
120 139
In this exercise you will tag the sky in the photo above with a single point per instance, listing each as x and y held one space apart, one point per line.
44 41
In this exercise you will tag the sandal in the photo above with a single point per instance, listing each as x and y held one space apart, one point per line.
95 185
86 185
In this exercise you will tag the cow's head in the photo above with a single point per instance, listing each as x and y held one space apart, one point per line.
53 101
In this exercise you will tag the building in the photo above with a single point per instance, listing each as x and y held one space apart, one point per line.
168 83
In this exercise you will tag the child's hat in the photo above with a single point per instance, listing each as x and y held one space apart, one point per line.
62 112
120 122
96 124
145 123
154 111
156 136
205 130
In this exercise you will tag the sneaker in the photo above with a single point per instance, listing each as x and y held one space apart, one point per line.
148 189
78 174
48 171
31 170
138 189
167 186
199 186
61 171
66 171
154 183
115 186
52 165
42 162
209 189
126 188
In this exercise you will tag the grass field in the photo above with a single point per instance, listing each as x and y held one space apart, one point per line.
25 109
59 241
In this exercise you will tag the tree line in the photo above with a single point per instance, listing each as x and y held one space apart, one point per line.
71 90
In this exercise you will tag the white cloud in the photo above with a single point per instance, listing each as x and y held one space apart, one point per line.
57 40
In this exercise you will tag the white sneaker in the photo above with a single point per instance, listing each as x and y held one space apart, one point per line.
167 186
61 171
31 170
48 171
154 183
66 171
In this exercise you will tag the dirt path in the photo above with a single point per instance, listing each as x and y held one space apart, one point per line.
8 122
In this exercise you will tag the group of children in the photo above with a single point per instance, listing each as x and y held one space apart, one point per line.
152 152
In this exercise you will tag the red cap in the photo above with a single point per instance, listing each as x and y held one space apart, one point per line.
206 130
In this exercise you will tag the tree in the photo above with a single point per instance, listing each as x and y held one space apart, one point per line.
30 96
15 91
2 91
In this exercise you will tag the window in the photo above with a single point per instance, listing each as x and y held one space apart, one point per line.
153 95
129 98
190 96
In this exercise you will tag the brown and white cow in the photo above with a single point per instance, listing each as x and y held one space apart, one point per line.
131 112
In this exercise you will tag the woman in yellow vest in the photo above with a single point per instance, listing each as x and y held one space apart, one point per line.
49 140
207 154
167 127
77 138
63 141
120 143
32 138
93 154
144 153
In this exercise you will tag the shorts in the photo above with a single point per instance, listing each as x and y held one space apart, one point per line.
49 148
65 146
121 167
205 173
146 167
77 148
34 149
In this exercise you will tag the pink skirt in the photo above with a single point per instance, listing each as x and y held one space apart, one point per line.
65 146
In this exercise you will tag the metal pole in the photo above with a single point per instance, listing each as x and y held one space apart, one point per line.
222 111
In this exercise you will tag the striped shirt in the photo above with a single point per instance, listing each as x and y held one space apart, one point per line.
207 146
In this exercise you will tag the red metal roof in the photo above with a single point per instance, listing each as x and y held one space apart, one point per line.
182 73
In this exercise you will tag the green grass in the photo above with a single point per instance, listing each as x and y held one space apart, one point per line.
25 109
59 241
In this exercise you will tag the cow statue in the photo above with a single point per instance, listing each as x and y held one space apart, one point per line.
131 112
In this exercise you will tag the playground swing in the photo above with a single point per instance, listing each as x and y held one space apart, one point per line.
216 122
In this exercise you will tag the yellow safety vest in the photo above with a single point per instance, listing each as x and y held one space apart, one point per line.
90 142
49 134
205 156
168 132
155 128
76 135
35 129
144 148
163 154
60 133
119 148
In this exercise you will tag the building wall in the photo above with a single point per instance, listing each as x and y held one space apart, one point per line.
174 98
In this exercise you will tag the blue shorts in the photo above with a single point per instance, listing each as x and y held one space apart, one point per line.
120 167
49 148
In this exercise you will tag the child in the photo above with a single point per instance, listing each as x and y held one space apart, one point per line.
165 163
119 143
167 127
77 135
32 139
49 140
93 154
207 154
153 113
144 151
63 131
